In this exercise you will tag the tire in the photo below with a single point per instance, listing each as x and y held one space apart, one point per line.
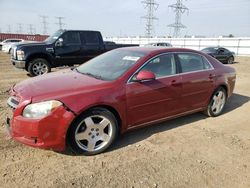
230 60
93 132
39 66
217 103
9 51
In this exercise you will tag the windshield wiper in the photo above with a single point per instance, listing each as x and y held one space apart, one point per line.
92 75
89 74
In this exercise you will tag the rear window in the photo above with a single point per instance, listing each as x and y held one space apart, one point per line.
192 62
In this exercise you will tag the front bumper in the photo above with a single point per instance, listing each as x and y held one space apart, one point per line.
46 133
18 64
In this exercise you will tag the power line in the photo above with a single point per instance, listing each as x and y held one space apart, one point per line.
179 8
45 24
151 7
60 23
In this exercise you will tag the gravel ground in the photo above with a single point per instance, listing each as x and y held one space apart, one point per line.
191 151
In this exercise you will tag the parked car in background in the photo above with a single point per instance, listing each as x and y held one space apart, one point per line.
8 41
65 47
163 44
85 108
8 46
222 54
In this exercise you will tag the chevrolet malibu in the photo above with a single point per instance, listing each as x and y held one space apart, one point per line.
86 108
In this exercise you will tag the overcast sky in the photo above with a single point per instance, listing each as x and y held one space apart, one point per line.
123 17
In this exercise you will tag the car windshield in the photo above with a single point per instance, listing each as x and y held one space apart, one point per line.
111 65
210 50
54 37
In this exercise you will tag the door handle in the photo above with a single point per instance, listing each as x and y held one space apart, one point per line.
175 83
211 76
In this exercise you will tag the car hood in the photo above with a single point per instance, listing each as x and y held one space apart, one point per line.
31 44
57 86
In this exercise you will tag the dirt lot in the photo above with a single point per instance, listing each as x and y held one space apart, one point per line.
192 151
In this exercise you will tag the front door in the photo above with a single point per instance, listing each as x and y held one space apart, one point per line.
151 100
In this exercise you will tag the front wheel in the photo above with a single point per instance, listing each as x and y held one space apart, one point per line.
217 103
39 66
93 132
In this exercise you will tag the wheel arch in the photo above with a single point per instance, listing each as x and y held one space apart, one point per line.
38 55
104 106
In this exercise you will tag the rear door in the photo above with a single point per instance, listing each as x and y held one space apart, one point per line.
70 52
92 44
152 100
197 80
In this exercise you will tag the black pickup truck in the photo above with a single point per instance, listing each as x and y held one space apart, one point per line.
65 47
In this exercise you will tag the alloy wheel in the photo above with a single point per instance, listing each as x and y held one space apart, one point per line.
40 68
219 100
93 133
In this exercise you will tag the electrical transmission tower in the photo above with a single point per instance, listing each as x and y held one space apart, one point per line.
31 28
151 6
9 29
45 24
20 28
179 8
60 23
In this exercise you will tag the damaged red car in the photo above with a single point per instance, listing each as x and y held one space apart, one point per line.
86 108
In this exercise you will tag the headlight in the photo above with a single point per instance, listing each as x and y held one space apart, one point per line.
20 55
38 110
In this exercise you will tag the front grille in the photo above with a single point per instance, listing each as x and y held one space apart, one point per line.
12 102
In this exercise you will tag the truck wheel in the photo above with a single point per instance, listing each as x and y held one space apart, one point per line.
39 66
93 132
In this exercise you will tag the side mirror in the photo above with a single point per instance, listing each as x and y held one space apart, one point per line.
59 42
145 76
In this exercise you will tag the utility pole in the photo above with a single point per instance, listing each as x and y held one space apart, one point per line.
45 24
179 8
60 23
151 6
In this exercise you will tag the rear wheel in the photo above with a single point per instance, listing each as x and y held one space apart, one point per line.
217 103
93 132
39 66
230 60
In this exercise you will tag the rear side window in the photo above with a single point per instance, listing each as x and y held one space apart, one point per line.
192 62
71 38
90 37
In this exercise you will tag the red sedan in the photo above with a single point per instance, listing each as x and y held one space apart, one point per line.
85 108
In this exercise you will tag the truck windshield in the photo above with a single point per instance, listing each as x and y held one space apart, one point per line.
54 37
111 65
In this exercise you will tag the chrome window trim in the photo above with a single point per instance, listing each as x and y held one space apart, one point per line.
129 81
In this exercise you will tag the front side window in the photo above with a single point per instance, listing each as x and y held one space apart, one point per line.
192 62
161 66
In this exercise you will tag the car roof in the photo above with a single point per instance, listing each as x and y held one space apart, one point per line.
158 49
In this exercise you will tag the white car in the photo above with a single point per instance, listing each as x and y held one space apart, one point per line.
6 44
